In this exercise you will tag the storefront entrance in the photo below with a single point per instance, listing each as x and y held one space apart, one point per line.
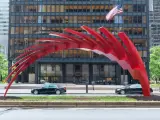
77 73
104 74
51 73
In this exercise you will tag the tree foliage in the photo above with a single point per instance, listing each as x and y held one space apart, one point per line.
155 63
3 67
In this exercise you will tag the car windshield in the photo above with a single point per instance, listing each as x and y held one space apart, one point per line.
135 86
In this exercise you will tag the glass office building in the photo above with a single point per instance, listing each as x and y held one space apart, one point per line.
4 23
154 21
33 19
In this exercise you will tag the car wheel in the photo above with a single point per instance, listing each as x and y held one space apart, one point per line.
122 92
58 92
36 92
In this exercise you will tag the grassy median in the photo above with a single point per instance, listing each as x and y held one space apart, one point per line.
71 98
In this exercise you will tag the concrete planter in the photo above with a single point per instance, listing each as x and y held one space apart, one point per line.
80 104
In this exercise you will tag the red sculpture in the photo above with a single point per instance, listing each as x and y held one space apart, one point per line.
105 43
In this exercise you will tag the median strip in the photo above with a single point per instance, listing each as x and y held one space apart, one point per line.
43 104
69 98
76 101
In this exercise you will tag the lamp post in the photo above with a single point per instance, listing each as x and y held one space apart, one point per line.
86 86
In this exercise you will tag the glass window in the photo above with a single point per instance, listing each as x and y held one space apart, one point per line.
12 30
140 53
135 86
43 8
13 19
49 85
48 9
144 53
128 8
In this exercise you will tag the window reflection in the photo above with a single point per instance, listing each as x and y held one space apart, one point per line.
75 8
104 74
51 73
28 23
77 19
77 54
47 30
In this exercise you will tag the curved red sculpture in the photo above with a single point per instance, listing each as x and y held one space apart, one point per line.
102 43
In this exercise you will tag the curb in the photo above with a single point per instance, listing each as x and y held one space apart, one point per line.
81 104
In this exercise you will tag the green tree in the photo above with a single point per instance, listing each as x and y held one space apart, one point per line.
3 67
155 63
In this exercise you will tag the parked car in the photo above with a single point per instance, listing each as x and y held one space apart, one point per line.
49 88
131 89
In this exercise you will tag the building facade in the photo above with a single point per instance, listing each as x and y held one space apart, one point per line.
2 49
34 19
154 20
4 24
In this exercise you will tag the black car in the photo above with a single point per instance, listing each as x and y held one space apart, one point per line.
131 89
49 88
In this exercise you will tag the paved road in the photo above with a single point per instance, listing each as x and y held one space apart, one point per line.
20 95
26 92
80 114
68 86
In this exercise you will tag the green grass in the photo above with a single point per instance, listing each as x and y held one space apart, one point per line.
73 98
155 85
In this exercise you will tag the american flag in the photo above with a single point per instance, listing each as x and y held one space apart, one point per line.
116 10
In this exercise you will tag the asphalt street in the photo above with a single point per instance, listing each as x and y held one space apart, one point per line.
27 92
80 94
80 114
108 91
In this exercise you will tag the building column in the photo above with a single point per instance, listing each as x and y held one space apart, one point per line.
22 77
63 73
36 73
9 71
148 40
118 75
129 78
90 73
25 76
147 67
